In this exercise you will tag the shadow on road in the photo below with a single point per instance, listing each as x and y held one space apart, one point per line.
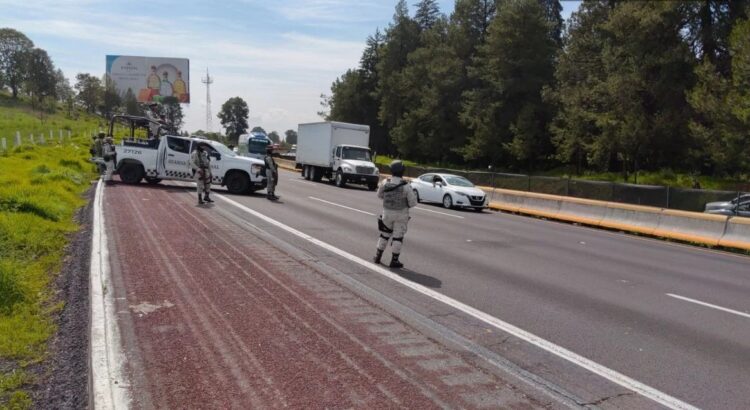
419 278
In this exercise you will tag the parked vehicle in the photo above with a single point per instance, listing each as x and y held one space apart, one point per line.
739 206
452 191
168 158
337 151
253 145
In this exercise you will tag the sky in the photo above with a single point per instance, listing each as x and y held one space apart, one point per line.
279 56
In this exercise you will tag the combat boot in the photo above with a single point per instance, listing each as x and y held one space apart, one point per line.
378 255
207 199
395 263
200 200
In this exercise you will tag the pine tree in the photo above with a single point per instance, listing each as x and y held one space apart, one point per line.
506 112
428 13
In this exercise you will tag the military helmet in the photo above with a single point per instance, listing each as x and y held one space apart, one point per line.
397 168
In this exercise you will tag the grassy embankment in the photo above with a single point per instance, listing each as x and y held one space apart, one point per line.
664 177
40 191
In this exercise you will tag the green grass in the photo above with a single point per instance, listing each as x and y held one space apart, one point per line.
40 191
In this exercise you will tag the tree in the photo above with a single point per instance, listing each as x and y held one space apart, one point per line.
722 126
428 13
40 79
233 115
110 98
173 112
290 137
130 102
89 91
64 91
274 137
14 47
258 128
506 112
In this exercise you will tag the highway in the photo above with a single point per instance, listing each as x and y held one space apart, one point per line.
673 317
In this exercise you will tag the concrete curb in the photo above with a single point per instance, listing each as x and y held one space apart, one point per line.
108 388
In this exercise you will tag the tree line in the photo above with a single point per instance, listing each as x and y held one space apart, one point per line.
234 115
622 86
26 70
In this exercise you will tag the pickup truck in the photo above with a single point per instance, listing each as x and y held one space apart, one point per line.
168 158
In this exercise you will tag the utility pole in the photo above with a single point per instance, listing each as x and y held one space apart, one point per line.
208 80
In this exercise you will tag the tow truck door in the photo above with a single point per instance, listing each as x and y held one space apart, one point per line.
177 158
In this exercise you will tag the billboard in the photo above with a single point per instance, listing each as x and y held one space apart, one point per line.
151 78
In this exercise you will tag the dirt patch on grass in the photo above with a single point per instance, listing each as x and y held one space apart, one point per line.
62 379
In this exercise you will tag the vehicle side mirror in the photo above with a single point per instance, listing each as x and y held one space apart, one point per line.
217 156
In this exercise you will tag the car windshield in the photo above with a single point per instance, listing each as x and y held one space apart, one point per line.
360 154
222 149
257 146
458 181
743 198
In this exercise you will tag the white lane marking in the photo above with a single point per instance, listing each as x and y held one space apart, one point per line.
437 212
301 181
341 206
596 368
698 302
110 389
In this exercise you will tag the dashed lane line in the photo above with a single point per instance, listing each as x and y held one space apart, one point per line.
706 304
559 351
341 206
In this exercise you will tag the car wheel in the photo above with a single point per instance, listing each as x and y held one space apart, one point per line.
340 179
416 194
237 183
131 173
447 201
478 210
372 187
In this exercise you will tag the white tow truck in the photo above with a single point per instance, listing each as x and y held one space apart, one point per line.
168 158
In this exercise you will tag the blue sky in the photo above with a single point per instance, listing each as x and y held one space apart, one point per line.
279 56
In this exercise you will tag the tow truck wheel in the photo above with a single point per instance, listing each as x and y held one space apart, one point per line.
131 173
237 182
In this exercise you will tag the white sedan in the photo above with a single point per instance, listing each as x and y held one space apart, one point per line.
449 190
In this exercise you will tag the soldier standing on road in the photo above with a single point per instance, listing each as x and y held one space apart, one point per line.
272 174
398 197
201 165
96 150
154 115
109 155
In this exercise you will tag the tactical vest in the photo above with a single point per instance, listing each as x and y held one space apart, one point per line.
394 196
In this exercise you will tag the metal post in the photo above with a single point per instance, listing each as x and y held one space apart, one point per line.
567 187
529 185
669 194
41 138
5 144
68 134
31 138
492 183
51 136
18 138
60 134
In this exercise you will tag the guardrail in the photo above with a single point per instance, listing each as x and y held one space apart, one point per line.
35 139
696 227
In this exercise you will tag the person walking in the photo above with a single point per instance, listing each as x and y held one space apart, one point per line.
272 174
201 165
110 156
398 197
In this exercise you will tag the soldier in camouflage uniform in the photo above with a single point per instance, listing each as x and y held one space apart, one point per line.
201 165
398 197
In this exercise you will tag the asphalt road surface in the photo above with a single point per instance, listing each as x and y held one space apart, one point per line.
672 317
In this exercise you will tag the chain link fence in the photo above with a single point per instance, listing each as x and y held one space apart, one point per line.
648 195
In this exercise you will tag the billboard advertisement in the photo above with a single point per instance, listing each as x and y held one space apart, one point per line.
151 78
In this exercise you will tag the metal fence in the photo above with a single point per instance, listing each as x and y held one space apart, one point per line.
648 195
35 138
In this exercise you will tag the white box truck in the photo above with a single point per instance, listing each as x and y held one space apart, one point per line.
337 151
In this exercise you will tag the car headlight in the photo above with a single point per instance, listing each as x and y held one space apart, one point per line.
347 169
462 193
255 169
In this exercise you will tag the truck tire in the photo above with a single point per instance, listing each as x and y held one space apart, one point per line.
306 172
131 173
340 179
416 195
237 182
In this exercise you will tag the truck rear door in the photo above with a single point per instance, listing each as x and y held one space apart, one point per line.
177 158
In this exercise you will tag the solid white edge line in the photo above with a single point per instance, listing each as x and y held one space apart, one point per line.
437 212
341 206
607 373
717 307
108 388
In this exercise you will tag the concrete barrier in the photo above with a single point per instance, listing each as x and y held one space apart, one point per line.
634 218
526 202
737 234
586 211
691 226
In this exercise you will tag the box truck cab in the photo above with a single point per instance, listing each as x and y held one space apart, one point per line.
337 151
253 145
